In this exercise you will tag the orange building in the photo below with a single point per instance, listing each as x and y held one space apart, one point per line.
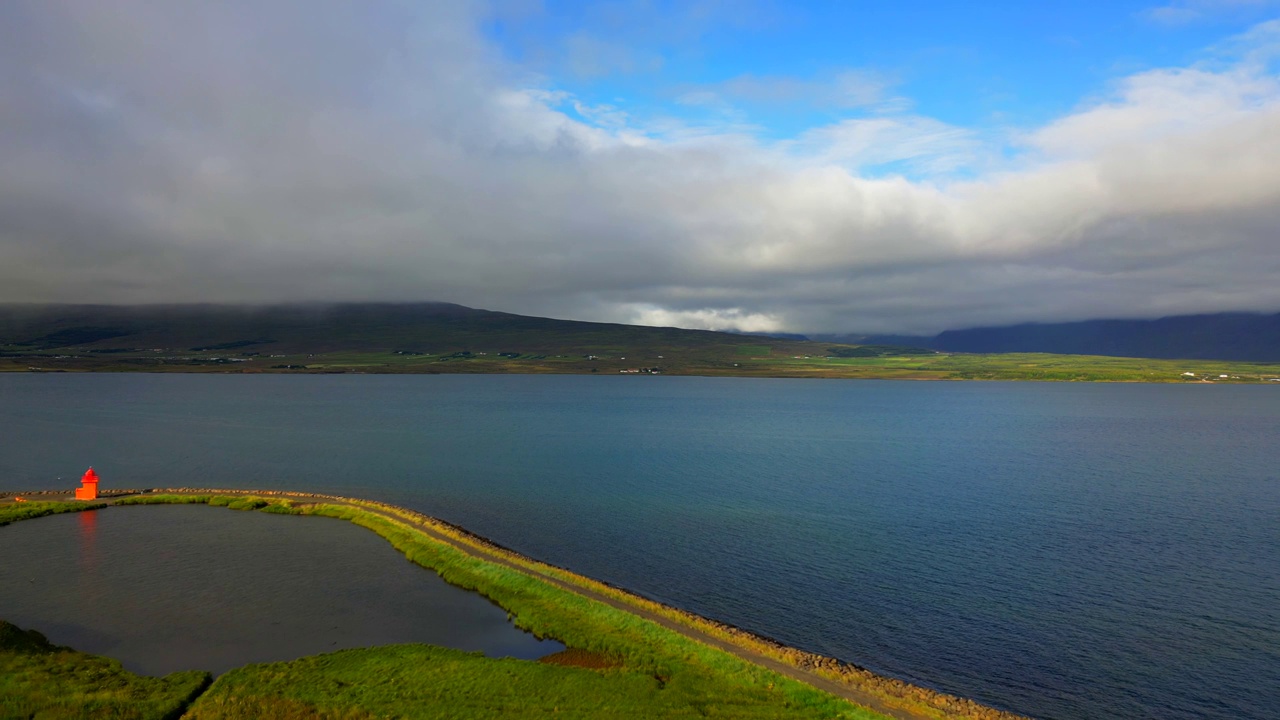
88 489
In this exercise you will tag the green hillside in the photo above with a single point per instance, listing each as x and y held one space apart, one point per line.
444 338
417 327
396 337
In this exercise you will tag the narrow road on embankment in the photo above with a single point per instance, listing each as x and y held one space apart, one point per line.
822 683
854 695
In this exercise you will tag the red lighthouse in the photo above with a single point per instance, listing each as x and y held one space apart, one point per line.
88 489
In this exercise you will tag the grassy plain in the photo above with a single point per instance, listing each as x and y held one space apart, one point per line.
434 682
48 682
437 338
751 361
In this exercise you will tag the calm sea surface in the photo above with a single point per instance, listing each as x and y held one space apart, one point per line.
1067 551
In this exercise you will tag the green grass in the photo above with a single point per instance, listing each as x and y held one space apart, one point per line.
48 682
438 339
659 672
797 360
433 682
164 499
1013 366
13 512
639 668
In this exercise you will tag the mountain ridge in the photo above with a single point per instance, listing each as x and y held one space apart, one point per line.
1238 336
448 327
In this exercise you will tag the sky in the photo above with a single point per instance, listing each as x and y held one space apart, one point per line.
759 165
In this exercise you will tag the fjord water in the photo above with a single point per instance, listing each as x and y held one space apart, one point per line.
1066 551
172 588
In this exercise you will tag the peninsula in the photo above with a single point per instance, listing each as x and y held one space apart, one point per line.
627 655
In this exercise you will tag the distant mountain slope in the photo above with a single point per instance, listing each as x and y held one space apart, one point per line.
376 327
1223 336
445 327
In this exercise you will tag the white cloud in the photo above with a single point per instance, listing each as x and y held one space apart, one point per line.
164 153
717 319
846 89
1184 12
922 143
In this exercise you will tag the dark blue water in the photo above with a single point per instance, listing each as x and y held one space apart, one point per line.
191 587
1067 551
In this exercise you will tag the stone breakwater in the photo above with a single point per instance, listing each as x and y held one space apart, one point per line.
64 493
858 679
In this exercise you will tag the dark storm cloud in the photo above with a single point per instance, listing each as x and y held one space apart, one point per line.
343 151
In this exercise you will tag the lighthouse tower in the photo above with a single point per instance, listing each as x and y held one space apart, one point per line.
88 489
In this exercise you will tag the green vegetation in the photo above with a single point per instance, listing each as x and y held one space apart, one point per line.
1012 366
852 362
13 512
438 338
620 663
657 672
433 682
223 500
926 703
40 680
232 502
867 351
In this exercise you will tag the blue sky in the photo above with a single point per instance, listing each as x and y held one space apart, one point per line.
778 66
904 167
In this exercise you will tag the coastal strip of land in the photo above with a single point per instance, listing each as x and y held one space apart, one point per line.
439 338
538 596
750 361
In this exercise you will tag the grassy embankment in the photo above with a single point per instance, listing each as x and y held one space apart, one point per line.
645 670
888 690
657 673
13 512
45 681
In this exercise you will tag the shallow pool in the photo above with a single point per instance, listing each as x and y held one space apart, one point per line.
166 588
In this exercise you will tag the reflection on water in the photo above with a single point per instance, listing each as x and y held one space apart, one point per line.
198 588
88 564
88 539
88 523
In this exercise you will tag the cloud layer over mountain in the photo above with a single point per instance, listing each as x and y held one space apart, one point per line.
247 152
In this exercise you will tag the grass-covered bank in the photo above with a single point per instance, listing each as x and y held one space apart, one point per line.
49 682
658 672
13 512
895 693
777 360
646 659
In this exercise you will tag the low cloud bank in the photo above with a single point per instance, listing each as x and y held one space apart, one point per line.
242 152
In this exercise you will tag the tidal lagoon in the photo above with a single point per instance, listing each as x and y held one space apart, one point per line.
166 589
1060 550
